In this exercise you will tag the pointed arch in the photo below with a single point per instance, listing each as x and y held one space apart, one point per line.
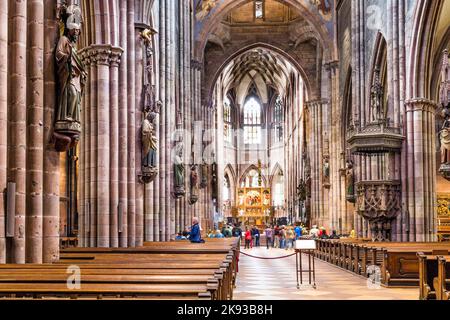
379 61
426 19
304 8
247 171
277 169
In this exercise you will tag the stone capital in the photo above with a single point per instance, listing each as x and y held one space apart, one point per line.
421 104
316 103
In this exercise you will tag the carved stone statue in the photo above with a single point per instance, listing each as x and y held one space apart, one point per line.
301 190
71 77
307 175
179 167
204 182
193 185
444 136
376 98
326 169
194 177
350 182
149 140
214 180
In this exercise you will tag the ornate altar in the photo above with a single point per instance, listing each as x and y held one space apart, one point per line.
254 206
443 212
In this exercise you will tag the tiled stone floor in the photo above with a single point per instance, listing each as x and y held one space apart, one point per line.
276 280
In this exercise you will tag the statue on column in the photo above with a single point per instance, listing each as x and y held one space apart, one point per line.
149 147
204 168
444 136
71 77
301 190
376 98
179 171
350 182
326 171
193 184
214 180
307 174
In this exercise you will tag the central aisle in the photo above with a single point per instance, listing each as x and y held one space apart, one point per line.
275 280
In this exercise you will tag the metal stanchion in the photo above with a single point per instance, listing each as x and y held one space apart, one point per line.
307 247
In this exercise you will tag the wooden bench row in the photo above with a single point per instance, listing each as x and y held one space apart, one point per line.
434 272
176 270
397 262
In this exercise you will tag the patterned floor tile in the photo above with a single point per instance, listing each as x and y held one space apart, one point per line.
276 280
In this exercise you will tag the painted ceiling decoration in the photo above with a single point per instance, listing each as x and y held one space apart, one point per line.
203 8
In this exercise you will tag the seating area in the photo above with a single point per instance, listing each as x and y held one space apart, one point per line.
175 270
423 265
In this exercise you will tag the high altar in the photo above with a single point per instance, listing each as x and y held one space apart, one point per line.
254 206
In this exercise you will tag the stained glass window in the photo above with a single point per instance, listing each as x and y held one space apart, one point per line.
227 126
259 9
252 122
278 120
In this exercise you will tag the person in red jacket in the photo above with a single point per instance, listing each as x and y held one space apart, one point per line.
248 238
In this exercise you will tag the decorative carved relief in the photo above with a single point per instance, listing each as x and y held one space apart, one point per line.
377 136
379 202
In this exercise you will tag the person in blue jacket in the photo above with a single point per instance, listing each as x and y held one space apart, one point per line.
194 235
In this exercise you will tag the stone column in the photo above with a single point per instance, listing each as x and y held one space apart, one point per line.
162 140
123 126
421 153
116 54
51 157
139 72
131 126
3 122
17 124
101 134
35 120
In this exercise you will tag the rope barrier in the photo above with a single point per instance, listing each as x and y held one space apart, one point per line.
267 258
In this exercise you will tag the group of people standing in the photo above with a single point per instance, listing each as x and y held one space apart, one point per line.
283 237
252 237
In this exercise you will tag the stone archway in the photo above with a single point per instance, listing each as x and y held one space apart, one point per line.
305 8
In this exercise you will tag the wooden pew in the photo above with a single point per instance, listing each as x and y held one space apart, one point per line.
156 271
442 281
428 272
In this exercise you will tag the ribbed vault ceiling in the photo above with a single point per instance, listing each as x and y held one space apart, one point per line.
260 66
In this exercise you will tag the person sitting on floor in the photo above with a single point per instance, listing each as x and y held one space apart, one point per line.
180 236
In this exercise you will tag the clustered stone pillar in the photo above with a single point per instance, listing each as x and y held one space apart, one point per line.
99 134
316 134
3 122
421 156
28 31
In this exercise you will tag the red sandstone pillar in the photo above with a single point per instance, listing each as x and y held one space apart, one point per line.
35 119
123 126
17 103
3 121
131 126
51 157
